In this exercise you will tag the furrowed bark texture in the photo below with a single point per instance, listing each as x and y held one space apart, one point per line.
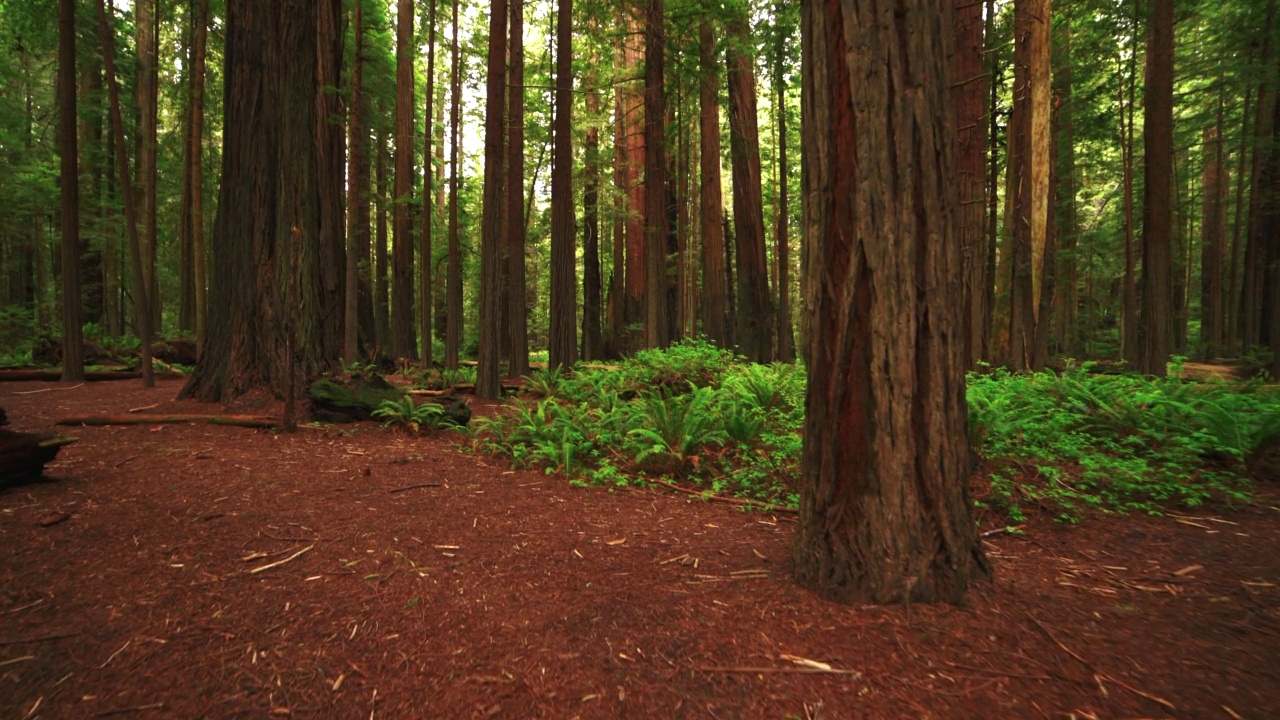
884 513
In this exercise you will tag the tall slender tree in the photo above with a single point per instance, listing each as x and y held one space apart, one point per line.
1157 221
969 92
198 249
782 237
562 349
147 28
355 148
592 338
711 201
517 308
141 306
755 312
884 509
487 374
69 181
402 307
428 197
657 330
453 291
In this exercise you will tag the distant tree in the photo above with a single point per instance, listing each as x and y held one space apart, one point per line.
147 29
69 180
402 307
355 150
657 330
1157 221
755 312
884 509
517 308
711 200
198 249
428 197
453 291
487 375
563 348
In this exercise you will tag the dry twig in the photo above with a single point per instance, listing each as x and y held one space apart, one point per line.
278 563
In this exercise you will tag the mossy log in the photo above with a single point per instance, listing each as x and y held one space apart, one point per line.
24 455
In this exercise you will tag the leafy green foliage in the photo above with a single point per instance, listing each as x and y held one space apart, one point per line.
404 414
1116 442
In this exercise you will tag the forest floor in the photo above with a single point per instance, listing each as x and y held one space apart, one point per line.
183 571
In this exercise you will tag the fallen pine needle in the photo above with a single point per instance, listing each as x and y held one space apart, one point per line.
11 661
278 563
114 654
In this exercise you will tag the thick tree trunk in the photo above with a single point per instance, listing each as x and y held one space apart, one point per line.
272 266
884 510
487 375
657 331
755 312
69 186
711 202
1157 224
402 307
617 303
517 303
563 345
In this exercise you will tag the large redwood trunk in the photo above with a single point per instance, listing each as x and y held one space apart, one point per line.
402 306
884 511
269 261
969 93
517 305
563 346
490 331
656 321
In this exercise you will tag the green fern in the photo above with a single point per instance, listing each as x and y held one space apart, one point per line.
406 415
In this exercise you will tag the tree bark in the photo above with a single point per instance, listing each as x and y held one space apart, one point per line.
355 148
453 300
1129 347
657 331
381 302
1213 187
563 344
517 307
141 306
711 201
69 186
782 253
755 311
592 338
148 88
487 375
197 175
1157 223
428 197
273 267
402 306
884 510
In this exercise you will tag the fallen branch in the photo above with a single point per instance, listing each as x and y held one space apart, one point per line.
249 421
130 709
278 563
1098 673
797 670
45 390
92 376
728 500
412 487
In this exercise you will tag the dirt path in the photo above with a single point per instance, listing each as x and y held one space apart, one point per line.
224 572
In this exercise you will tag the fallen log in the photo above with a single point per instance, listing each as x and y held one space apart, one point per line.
249 421
96 375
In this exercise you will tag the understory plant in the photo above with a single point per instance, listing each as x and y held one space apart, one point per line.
405 414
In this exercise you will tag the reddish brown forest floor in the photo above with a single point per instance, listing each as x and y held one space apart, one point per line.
514 595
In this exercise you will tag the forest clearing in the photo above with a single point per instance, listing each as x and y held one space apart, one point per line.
172 570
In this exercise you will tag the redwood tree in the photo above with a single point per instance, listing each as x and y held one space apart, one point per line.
402 326
69 180
711 200
517 305
269 257
1157 220
562 350
657 330
487 375
755 312
884 511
